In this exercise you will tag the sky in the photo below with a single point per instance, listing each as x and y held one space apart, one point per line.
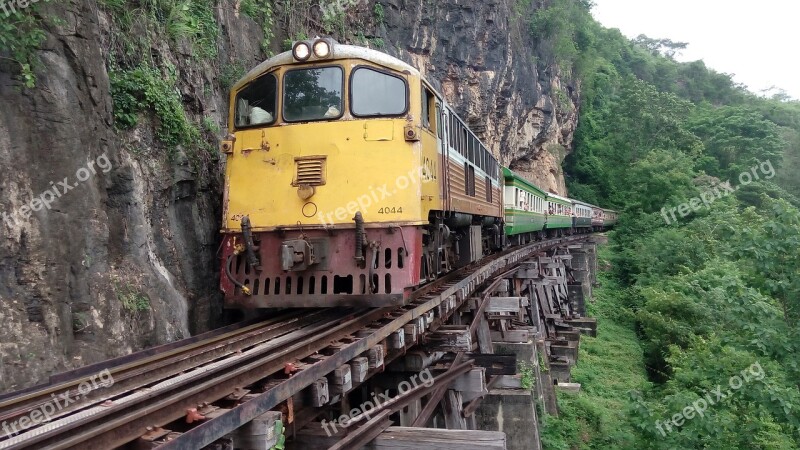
756 41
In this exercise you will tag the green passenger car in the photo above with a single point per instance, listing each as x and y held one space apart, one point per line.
559 212
609 218
525 205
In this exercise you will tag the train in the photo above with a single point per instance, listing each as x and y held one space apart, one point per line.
350 180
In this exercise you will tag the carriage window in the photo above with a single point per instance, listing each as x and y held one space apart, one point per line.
256 104
312 94
377 94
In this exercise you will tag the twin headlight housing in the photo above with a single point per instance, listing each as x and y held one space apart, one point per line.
320 48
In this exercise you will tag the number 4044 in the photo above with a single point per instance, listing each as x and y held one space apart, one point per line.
391 210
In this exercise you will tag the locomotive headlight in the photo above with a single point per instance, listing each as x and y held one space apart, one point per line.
301 51
322 48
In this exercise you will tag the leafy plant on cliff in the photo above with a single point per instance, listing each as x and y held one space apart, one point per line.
230 74
190 21
131 299
380 13
21 34
334 15
146 89
262 12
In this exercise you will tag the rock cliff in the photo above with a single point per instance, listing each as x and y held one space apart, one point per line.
108 240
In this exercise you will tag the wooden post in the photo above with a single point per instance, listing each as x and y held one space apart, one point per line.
451 405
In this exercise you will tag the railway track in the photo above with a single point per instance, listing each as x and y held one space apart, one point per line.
244 368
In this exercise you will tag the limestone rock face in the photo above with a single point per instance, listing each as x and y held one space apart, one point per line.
486 63
125 257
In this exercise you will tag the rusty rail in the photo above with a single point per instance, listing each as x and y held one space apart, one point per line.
157 388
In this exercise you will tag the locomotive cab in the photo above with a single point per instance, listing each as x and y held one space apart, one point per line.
328 184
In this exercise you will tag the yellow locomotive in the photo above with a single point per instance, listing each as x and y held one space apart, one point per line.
349 180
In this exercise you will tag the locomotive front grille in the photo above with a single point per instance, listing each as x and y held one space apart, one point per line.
310 171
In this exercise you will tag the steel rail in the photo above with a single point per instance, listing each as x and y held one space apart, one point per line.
208 432
151 369
221 371
15 399
41 435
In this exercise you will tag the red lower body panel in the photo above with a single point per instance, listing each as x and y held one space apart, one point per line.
389 272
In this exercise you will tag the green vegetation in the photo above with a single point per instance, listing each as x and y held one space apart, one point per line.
190 21
21 34
147 89
610 366
131 299
377 43
334 16
692 300
230 74
210 125
262 12
380 14
146 82
528 378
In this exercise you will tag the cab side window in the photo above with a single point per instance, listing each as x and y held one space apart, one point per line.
256 104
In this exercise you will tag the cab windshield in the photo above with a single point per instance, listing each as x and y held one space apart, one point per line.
313 94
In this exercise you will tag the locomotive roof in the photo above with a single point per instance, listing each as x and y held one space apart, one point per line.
339 51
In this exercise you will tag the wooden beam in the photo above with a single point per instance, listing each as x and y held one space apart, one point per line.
258 434
340 381
406 438
451 407
472 384
435 397
511 336
484 336
359 367
494 364
469 410
364 434
506 304
418 360
317 394
410 412
572 388
450 339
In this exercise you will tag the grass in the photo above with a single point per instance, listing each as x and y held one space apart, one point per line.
131 299
610 367
528 380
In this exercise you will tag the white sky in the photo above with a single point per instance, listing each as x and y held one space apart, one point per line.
757 41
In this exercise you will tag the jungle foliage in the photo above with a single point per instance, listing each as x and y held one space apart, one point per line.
696 299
